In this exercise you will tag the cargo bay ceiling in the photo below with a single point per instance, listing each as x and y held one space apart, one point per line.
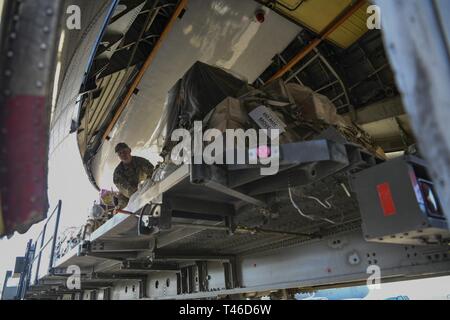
132 33
349 66
316 15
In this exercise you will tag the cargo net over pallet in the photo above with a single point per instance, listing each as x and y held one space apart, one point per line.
232 207
223 101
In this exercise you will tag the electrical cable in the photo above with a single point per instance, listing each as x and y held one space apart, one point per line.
326 205
312 218
296 207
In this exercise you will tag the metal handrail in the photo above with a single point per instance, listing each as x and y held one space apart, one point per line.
44 243
49 218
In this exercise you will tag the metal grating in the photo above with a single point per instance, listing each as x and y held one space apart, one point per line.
344 212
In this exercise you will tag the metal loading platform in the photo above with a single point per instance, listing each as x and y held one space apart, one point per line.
205 230
194 210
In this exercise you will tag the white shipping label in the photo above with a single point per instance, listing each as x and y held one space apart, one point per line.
267 119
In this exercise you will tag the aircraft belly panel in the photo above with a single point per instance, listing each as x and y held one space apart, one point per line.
222 33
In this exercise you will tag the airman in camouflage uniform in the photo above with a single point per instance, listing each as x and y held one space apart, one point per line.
129 173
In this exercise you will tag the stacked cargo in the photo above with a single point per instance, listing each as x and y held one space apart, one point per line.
67 240
223 101
198 92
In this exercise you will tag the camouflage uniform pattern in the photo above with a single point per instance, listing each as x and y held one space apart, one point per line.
127 177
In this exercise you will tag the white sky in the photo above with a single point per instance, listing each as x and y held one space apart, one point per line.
67 181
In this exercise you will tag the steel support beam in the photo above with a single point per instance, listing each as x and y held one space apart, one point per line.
385 109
